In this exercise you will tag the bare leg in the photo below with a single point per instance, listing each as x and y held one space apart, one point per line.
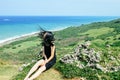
37 73
34 68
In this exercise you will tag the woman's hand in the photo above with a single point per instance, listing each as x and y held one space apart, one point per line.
46 61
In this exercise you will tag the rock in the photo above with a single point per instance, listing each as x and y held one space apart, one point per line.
83 54
28 64
113 69
100 67
108 46
20 69
80 65
88 43
90 65
23 66
117 68
77 50
34 61
98 57
84 46
112 58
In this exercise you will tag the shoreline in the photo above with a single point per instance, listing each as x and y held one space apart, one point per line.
21 37
16 38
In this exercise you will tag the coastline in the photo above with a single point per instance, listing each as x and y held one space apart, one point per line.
21 37
51 21
12 39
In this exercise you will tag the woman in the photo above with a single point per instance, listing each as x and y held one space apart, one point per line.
49 56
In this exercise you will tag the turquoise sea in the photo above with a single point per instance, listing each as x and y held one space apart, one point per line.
15 26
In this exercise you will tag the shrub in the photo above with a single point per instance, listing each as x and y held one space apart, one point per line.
89 38
72 44
13 47
71 71
116 44
19 45
68 70
114 75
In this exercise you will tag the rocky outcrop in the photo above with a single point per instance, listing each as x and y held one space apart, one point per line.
25 65
83 56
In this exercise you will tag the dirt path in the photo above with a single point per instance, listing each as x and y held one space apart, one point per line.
7 71
51 74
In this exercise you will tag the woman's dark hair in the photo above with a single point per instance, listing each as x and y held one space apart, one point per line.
49 37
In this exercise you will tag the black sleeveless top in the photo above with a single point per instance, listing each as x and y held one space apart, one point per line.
47 50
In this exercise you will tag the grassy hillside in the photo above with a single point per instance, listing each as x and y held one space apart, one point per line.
101 35
104 37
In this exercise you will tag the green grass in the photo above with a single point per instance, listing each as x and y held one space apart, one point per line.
6 71
100 34
21 46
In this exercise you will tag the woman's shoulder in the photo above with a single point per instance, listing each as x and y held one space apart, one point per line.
53 44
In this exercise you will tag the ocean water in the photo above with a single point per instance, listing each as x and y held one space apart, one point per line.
15 26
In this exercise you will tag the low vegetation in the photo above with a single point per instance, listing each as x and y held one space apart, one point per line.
104 37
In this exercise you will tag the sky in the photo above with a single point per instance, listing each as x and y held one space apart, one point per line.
60 7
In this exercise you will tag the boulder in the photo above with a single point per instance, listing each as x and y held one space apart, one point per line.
83 56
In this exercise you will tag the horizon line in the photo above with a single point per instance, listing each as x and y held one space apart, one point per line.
61 15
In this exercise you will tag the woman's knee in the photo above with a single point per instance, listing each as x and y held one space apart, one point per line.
40 62
43 68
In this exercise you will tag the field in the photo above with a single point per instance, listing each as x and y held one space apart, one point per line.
100 34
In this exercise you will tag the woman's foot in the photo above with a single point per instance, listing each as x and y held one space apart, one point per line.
29 79
26 78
